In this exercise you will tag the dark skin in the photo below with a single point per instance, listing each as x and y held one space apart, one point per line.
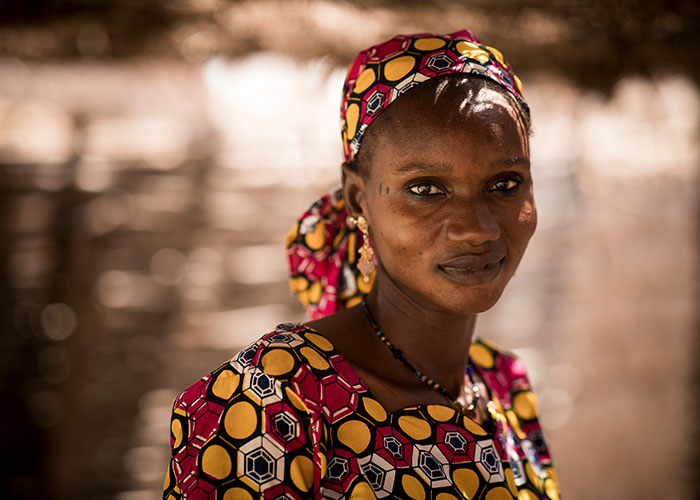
448 196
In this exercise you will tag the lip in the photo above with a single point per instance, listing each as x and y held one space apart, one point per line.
473 269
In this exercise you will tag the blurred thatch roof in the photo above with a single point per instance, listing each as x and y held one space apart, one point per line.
593 43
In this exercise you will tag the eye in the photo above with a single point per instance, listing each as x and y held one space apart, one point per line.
505 185
425 189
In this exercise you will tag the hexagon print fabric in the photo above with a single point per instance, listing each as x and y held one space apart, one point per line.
288 418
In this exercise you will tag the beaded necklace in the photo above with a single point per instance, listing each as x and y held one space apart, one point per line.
469 410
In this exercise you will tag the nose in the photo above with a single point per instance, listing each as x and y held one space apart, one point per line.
472 222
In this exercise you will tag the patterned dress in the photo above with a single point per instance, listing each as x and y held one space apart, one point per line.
288 418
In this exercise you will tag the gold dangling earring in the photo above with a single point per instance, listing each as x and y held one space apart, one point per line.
366 262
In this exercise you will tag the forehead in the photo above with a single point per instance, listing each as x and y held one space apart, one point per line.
448 117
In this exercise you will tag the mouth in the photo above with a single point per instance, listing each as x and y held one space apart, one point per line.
472 270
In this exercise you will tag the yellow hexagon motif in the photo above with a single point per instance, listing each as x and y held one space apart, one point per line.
399 67
216 461
224 385
291 235
317 238
429 43
314 358
352 302
551 488
237 494
525 405
314 294
277 362
473 427
166 483
355 435
176 428
515 424
366 78
498 493
375 410
527 495
352 113
240 420
496 53
413 488
473 51
296 401
467 481
319 341
445 496
363 491
510 481
440 413
301 471
482 356
415 427
518 83
298 284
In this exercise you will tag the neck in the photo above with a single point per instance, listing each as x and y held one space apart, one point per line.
433 340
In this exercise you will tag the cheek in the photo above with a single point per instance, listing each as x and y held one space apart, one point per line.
524 226
400 233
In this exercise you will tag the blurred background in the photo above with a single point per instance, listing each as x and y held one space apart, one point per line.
154 154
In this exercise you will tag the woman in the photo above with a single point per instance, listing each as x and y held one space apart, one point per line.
386 393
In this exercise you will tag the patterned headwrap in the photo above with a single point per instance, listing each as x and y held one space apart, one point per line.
322 249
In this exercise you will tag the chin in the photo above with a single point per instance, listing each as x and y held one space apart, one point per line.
472 302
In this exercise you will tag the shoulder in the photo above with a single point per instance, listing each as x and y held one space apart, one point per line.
287 362
503 371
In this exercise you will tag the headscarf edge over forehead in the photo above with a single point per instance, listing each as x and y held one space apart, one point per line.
322 250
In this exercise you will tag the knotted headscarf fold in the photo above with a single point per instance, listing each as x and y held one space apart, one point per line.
322 249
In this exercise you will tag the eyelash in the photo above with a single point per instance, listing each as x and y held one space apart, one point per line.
513 184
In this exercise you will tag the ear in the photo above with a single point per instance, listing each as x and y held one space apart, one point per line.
354 191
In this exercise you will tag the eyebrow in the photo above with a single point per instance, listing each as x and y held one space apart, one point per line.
411 168
512 162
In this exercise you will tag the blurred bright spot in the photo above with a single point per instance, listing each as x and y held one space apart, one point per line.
129 289
34 131
204 266
535 362
556 407
286 115
565 376
167 266
237 328
257 264
93 175
58 321
106 213
158 141
145 463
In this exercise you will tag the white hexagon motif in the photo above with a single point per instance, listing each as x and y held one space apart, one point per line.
260 387
488 461
379 474
244 358
284 339
407 84
432 466
261 462
439 62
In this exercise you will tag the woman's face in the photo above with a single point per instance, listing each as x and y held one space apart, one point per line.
449 198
